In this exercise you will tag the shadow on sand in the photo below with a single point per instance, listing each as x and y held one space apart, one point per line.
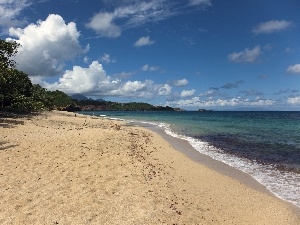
10 119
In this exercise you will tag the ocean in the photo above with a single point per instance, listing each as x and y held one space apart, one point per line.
265 145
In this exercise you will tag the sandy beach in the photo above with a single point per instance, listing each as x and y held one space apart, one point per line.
56 168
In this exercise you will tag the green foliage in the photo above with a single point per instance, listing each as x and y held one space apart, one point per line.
16 90
7 50
26 104
13 84
43 96
90 102
116 106
59 99
131 106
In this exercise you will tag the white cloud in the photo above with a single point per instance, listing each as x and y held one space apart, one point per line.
271 26
133 86
103 24
10 10
165 90
248 55
179 83
107 59
45 46
230 102
137 89
260 102
294 100
293 69
94 81
86 59
81 80
187 93
146 67
135 14
143 41
200 2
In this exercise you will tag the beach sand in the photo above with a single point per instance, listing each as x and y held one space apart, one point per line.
56 168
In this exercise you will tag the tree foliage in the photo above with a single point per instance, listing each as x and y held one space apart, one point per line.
17 93
59 99
116 106
8 50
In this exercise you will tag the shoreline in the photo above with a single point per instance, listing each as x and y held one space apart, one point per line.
185 147
59 168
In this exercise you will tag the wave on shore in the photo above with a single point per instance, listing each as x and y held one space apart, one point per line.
284 184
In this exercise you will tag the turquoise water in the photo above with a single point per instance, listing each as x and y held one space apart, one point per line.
265 145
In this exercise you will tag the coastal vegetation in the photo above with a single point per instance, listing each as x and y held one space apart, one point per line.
93 105
18 94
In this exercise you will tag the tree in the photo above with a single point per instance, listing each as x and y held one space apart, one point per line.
42 96
60 99
13 84
16 89
8 50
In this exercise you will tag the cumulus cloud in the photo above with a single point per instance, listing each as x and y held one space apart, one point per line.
94 81
46 45
247 55
271 26
146 67
294 100
81 80
134 86
165 90
293 69
10 10
144 41
187 93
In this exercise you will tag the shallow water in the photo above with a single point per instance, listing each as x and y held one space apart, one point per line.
266 145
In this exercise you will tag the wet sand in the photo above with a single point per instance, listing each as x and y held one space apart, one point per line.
60 169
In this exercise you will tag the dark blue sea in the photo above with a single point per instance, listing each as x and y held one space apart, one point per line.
265 145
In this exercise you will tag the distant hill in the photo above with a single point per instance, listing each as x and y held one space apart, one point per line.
87 104
100 100
80 97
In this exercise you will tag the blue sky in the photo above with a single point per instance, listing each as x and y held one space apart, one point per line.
189 54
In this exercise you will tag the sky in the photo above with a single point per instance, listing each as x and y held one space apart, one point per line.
189 54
